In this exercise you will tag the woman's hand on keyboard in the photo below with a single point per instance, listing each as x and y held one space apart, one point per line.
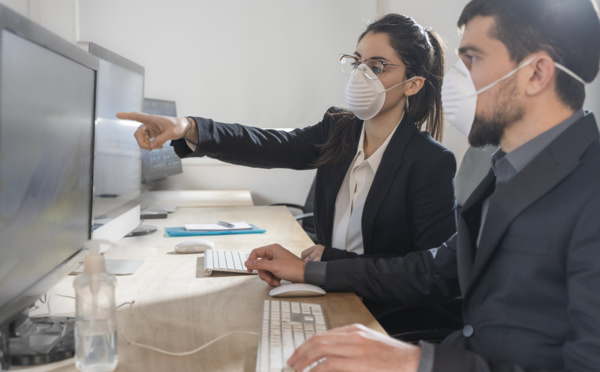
313 253
275 263
355 348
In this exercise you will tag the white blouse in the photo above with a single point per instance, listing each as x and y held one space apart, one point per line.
350 202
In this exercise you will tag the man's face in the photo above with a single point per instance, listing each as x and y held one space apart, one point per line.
488 60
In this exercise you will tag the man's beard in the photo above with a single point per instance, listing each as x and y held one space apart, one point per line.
488 129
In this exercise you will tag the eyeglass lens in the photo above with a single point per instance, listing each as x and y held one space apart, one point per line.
349 65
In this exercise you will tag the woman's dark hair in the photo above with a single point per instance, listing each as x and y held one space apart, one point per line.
568 30
422 51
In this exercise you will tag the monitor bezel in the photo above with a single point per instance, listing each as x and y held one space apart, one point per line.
128 214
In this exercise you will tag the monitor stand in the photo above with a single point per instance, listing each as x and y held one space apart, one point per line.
142 230
37 340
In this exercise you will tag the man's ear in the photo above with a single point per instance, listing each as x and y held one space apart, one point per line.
414 86
542 76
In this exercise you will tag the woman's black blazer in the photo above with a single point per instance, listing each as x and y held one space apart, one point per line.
411 203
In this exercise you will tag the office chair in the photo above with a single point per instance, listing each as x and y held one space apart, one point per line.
306 218
436 321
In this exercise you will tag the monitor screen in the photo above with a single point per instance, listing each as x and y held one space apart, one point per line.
158 164
47 112
117 156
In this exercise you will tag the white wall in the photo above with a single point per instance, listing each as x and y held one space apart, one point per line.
268 63
59 16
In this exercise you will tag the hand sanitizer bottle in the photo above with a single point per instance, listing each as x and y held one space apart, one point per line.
96 320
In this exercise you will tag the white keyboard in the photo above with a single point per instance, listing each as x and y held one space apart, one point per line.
285 326
228 261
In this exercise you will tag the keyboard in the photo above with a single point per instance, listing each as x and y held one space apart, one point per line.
227 261
285 326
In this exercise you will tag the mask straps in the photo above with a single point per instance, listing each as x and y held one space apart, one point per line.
571 73
405 81
504 77
527 62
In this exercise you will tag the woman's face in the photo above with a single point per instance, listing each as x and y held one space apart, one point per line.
377 46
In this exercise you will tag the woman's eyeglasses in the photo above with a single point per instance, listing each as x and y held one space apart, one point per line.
350 63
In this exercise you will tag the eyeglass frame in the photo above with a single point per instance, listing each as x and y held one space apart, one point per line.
360 61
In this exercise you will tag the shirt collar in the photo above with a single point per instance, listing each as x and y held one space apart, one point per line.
524 154
375 159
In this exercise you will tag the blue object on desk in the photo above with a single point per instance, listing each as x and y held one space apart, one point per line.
180 231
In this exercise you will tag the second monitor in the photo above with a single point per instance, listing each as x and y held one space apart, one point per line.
161 163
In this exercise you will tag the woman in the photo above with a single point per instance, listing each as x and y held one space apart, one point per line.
383 187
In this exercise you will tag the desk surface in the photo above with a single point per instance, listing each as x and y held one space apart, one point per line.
178 309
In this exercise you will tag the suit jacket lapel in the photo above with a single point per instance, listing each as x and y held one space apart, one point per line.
468 227
335 178
390 162
539 177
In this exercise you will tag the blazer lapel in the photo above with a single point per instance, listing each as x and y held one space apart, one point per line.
334 178
544 172
390 162
468 227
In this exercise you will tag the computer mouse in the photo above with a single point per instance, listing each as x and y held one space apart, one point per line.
297 290
194 246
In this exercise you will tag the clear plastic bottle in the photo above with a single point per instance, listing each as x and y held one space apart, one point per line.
96 319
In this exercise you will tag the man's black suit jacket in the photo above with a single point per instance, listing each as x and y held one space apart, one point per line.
410 205
532 288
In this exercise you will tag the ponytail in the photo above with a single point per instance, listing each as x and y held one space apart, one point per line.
425 107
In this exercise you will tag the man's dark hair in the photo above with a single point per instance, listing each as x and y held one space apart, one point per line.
568 30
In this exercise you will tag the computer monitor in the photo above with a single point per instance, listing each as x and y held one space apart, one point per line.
117 156
47 113
161 163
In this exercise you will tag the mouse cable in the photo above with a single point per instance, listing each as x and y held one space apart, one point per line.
184 353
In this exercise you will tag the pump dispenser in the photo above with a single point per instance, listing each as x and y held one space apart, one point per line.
96 320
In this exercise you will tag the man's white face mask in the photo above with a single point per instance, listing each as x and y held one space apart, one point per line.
459 96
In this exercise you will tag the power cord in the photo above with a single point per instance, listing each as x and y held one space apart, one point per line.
184 353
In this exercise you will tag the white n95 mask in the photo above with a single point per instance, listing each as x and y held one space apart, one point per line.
459 96
366 94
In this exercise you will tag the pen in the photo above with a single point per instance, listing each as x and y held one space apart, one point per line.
226 224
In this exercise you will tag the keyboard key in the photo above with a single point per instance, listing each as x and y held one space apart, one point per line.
226 261
285 326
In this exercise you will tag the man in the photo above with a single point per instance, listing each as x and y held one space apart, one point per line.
526 258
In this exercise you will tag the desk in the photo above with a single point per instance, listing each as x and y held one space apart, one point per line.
178 309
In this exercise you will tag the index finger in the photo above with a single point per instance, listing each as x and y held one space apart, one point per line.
135 116
257 253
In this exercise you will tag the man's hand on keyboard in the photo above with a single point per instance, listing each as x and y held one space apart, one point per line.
355 348
275 263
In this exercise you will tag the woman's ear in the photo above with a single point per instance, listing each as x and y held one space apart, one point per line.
414 86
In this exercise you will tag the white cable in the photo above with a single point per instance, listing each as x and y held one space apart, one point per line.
47 301
184 353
